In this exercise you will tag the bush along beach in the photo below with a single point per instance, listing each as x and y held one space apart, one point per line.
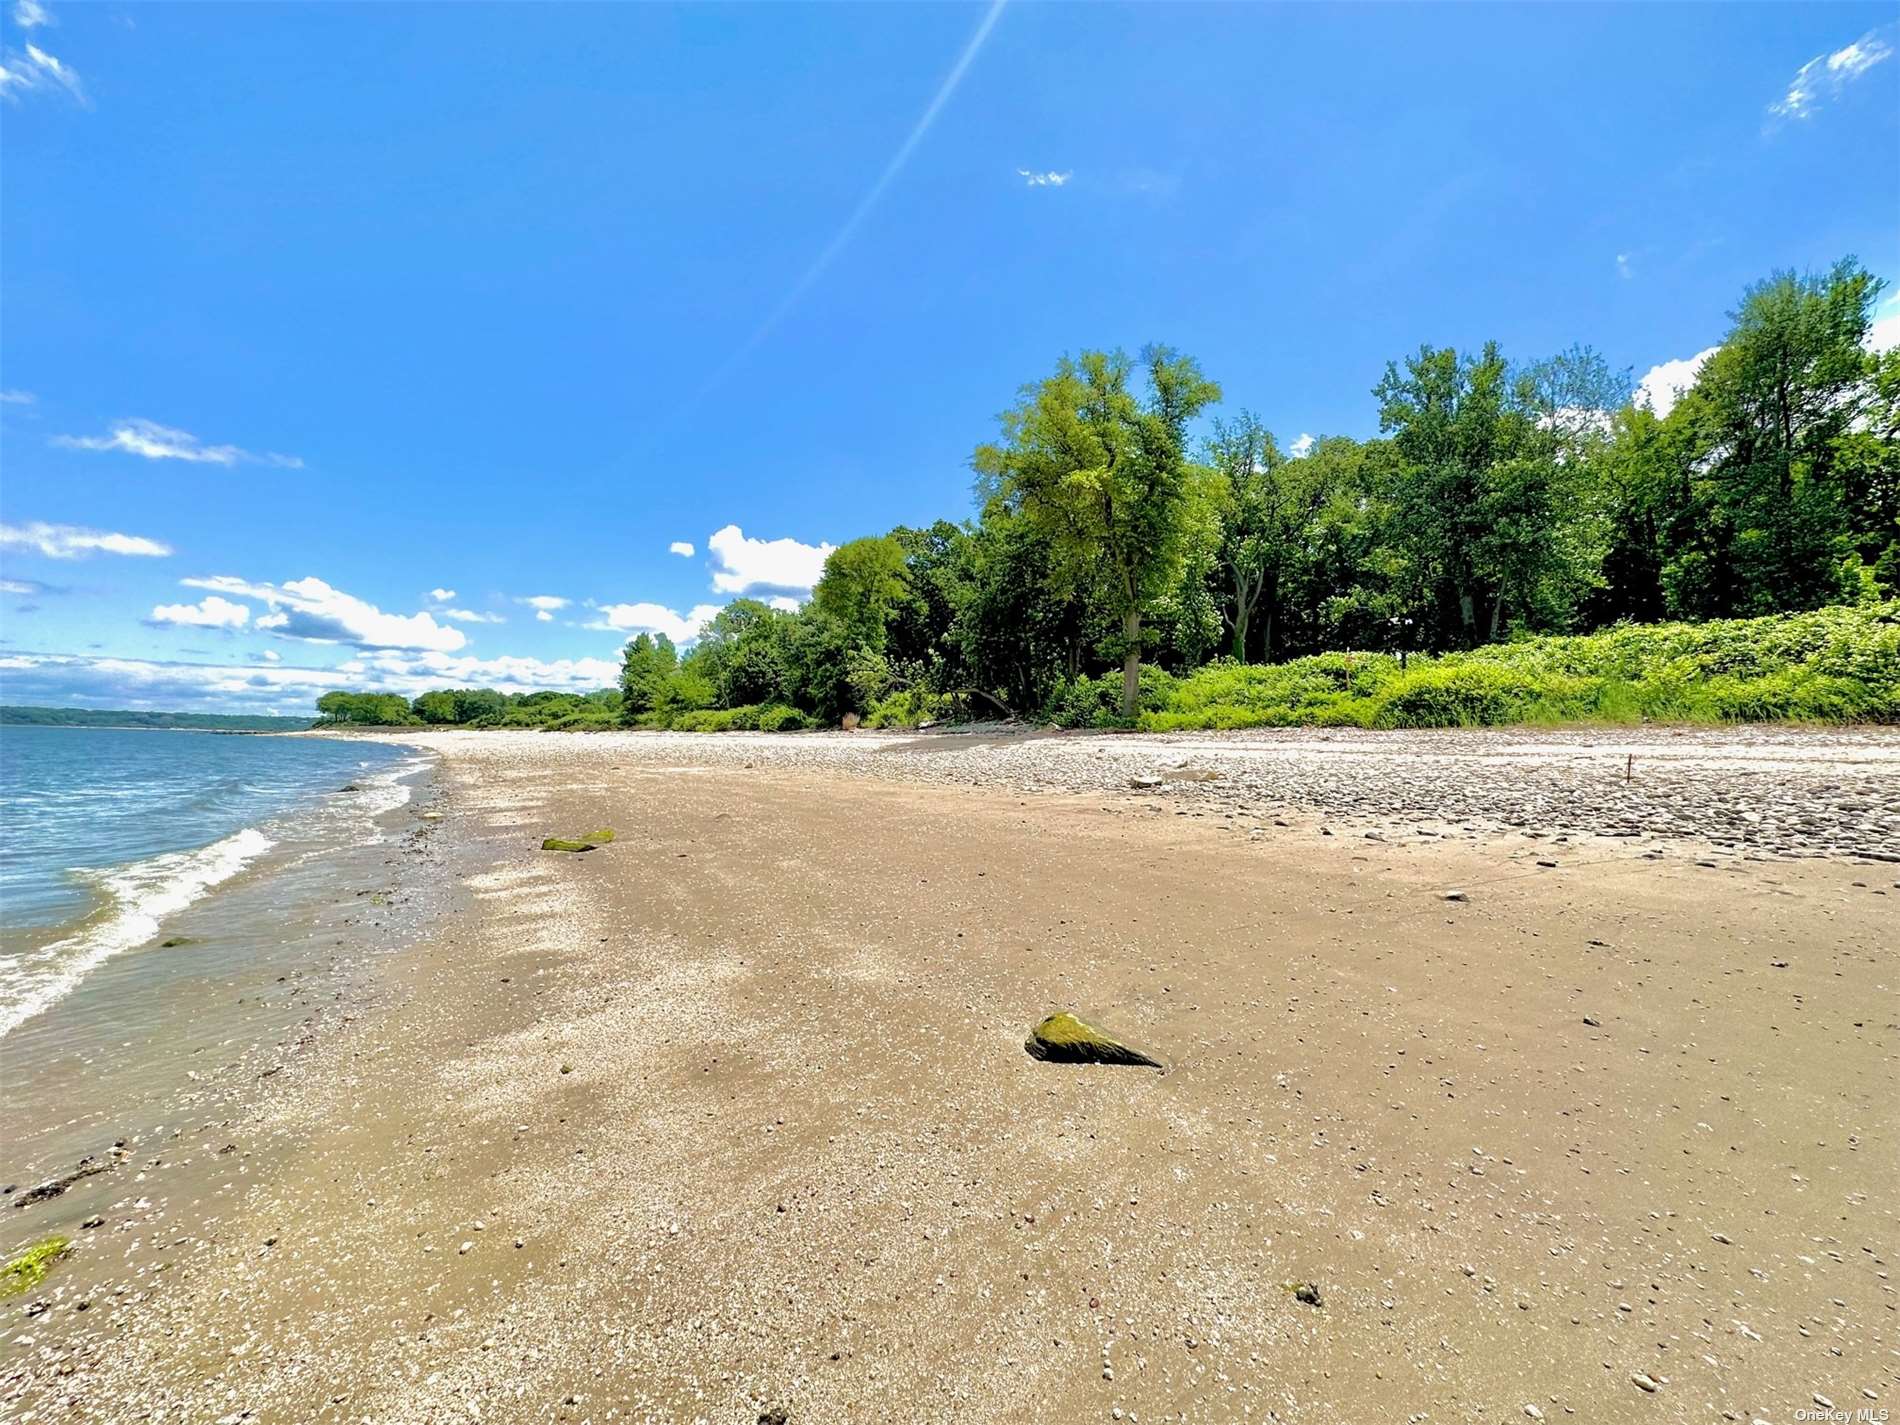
1523 542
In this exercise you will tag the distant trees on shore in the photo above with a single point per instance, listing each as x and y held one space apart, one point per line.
1499 500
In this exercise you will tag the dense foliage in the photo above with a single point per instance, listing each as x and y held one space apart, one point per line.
1117 572
471 707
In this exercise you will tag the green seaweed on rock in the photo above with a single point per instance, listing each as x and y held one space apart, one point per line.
1064 1039
589 842
30 1267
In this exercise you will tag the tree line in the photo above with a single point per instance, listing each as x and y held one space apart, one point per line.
1122 524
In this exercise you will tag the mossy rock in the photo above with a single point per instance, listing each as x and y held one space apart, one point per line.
1064 1039
29 1269
588 842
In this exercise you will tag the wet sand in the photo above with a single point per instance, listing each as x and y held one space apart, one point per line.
731 1119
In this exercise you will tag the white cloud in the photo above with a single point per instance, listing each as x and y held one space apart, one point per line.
546 603
784 603
543 616
655 618
764 565
32 69
65 541
1300 446
75 680
271 655
210 612
441 596
21 586
30 14
681 547
414 673
156 442
312 610
1824 77
1623 269
17 398
1663 385
1051 179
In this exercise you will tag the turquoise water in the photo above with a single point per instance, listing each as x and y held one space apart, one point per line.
104 832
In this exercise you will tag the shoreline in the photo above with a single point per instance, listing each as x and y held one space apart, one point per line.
746 1087
154 1125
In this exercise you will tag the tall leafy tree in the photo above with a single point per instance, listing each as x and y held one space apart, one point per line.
1268 505
1102 471
1777 403
864 587
646 667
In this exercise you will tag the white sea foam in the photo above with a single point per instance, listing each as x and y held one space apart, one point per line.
139 897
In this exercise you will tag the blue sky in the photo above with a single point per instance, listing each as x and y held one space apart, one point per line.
383 320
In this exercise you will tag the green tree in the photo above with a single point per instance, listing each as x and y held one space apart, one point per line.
647 665
1777 405
864 587
1103 472
1267 507
437 706
743 654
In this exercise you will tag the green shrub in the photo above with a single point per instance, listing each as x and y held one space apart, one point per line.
908 708
1828 665
1097 702
744 719
779 718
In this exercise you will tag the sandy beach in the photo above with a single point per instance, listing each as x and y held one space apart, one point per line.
1565 1066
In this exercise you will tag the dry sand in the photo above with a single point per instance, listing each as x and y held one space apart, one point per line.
731 1121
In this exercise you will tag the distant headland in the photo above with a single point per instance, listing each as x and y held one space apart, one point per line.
103 717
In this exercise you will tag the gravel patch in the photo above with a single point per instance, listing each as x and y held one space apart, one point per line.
1788 792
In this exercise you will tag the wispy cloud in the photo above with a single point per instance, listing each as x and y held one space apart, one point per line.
66 541
211 611
1301 446
18 398
31 588
32 70
1623 268
655 618
30 14
1823 78
544 605
443 598
747 566
1050 179
153 441
830 252
312 610
681 547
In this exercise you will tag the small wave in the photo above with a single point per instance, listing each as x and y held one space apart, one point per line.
141 895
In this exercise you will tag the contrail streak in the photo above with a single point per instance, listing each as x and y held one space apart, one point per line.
865 204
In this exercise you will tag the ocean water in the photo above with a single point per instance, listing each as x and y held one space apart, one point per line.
107 833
